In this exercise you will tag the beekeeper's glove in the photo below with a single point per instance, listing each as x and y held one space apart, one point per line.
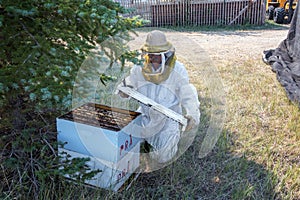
123 95
191 123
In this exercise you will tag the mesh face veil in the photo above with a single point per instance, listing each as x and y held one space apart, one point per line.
157 44
165 57
168 60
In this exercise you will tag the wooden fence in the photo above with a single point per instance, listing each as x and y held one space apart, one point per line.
198 12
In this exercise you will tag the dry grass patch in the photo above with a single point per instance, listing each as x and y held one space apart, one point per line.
263 122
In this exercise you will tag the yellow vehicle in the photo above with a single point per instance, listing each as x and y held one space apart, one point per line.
280 10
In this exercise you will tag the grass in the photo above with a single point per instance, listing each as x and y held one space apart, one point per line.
256 156
264 124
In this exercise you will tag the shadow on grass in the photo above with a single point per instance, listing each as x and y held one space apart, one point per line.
220 175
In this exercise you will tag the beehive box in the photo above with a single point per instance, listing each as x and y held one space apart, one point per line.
108 136
99 131
112 175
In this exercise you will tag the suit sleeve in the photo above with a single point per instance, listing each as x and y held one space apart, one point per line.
188 96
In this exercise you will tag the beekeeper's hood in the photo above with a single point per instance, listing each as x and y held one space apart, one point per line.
156 43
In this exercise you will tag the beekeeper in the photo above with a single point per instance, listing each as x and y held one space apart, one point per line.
165 80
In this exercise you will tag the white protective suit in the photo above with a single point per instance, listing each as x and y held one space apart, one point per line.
175 92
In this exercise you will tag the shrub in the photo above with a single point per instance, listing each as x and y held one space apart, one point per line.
43 44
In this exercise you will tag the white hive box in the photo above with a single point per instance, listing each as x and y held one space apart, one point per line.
108 136
112 175
99 131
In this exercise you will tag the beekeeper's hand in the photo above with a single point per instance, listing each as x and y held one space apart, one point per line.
123 95
191 123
